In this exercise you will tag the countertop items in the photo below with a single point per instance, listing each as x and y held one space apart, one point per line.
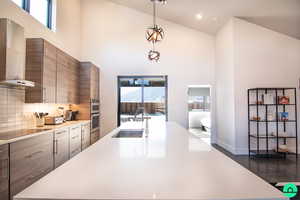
13 136
169 164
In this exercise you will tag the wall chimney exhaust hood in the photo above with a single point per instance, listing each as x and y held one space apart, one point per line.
12 54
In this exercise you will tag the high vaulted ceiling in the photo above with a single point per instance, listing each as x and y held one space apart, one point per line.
279 15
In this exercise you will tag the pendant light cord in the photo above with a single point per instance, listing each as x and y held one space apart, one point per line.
154 13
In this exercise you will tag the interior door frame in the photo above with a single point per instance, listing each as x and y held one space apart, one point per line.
141 77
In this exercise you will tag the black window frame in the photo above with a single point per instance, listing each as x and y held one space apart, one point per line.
26 7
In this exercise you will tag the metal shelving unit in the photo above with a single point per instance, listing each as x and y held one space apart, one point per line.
261 107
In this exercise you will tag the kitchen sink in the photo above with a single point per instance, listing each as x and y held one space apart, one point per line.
129 134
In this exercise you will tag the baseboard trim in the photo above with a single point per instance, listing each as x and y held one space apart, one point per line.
226 146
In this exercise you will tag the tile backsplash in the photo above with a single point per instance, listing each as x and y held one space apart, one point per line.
15 114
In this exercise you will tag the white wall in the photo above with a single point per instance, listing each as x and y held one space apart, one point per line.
263 58
113 37
225 87
249 56
67 34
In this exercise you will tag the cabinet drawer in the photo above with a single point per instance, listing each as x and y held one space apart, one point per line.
4 195
61 146
85 136
95 136
74 152
30 160
75 140
27 180
4 172
4 151
62 132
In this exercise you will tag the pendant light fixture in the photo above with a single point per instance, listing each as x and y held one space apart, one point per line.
153 55
155 33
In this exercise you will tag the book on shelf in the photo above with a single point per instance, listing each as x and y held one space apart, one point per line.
283 116
283 100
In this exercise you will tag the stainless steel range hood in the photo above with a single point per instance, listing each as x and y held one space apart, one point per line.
12 54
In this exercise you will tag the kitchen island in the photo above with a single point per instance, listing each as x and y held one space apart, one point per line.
169 164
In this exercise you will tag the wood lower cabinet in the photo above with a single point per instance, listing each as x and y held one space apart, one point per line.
30 160
4 172
75 140
95 136
61 146
85 136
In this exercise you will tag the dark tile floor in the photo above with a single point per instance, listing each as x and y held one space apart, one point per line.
272 170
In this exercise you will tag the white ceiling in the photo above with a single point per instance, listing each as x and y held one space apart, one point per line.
279 15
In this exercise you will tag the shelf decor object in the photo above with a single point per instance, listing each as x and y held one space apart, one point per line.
272 122
155 33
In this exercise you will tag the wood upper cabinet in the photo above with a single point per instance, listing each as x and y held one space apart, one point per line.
30 160
62 77
4 172
67 78
41 69
95 83
61 146
89 82
55 73
75 140
85 135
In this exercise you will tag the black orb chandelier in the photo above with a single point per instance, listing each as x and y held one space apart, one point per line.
155 33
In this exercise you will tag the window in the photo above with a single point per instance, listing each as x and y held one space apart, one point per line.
39 9
19 3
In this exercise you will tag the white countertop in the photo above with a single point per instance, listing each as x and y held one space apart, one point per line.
169 164
50 128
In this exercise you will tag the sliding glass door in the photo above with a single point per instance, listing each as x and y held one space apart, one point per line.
140 98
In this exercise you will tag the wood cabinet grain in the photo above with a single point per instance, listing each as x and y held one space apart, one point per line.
41 69
95 136
85 136
75 140
62 80
89 88
4 172
55 73
61 146
89 82
30 160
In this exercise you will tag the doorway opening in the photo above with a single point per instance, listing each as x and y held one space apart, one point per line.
199 111
142 98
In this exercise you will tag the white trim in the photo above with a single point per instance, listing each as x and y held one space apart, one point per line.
226 146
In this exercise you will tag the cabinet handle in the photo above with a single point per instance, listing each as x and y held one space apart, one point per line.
33 154
74 137
55 146
75 128
61 132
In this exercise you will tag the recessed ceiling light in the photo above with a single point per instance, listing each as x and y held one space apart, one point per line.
199 16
